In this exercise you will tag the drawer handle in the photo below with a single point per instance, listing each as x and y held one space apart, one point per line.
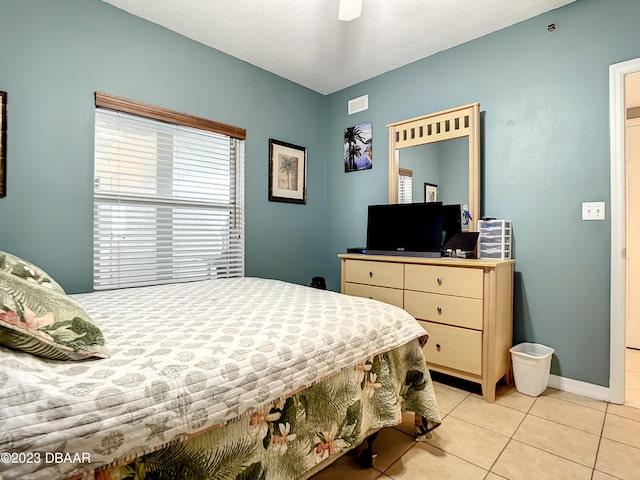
439 309
438 347
439 280
370 274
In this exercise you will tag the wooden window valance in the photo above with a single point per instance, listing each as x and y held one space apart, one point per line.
106 100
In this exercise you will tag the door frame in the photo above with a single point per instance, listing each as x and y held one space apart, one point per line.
617 347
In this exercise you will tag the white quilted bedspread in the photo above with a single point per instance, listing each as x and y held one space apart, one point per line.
185 358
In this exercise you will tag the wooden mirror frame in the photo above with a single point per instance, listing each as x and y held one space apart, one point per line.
456 122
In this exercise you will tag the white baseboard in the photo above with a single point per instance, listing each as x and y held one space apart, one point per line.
590 390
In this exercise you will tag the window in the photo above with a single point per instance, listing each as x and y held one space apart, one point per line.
168 197
405 185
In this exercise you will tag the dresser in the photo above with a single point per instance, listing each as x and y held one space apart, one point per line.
465 305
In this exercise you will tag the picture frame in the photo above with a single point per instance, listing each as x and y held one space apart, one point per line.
358 147
430 192
3 144
287 172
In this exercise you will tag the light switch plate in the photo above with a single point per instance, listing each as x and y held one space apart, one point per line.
593 210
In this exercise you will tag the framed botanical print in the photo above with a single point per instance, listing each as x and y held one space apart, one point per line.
287 172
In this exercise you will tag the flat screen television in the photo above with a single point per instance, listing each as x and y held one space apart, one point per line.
451 222
414 229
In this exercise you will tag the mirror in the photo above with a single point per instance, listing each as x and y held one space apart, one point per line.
438 171
439 155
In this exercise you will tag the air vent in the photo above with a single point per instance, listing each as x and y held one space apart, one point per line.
358 104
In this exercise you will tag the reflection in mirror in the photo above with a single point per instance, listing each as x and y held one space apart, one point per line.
443 164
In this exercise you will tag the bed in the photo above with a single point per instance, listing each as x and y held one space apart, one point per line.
243 378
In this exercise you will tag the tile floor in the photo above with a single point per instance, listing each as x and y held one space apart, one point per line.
557 435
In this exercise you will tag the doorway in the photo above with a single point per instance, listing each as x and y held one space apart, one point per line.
622 365
632 175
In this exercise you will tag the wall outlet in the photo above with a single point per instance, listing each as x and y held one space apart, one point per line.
593 210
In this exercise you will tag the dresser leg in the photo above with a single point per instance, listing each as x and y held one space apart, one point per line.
488 392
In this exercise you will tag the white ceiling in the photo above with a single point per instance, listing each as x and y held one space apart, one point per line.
303 40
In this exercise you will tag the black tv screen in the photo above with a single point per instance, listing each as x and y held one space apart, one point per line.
405 229
451 222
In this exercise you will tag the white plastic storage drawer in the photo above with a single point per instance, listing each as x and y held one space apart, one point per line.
495 238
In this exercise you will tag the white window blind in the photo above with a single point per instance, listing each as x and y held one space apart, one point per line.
405 186
168 202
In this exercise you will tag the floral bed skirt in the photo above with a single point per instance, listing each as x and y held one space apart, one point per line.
294 437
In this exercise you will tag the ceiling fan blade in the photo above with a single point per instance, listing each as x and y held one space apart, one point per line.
349 10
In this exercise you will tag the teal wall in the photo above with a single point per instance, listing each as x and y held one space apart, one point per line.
544 101
545 147
55 54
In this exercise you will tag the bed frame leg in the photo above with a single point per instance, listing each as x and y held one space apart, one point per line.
366 455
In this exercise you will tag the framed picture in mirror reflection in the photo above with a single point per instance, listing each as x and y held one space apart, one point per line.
430 192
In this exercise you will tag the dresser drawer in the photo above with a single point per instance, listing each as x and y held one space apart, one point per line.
384 294
454 347
382 274
458 311
459 281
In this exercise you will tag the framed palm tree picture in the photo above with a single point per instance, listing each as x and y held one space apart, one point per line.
3 144
358 148
287 172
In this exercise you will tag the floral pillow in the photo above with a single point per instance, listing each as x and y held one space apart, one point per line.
23 269
37 318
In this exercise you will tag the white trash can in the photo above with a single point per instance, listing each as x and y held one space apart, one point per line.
531 367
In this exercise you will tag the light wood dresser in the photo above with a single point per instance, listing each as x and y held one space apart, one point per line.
466 306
